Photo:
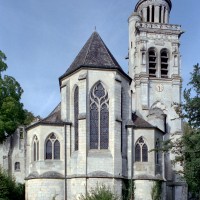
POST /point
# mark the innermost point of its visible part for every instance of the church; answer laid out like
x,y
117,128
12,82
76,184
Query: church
x,y
108,122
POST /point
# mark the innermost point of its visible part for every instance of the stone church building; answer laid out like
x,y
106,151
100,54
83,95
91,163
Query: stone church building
x,y
107,122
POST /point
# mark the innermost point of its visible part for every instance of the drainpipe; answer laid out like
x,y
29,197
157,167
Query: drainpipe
x,y
65,184
86,128
163,166
132,164
163,154
131,148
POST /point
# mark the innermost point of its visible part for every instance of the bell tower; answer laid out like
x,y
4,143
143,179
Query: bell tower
x,y
154,57
154,66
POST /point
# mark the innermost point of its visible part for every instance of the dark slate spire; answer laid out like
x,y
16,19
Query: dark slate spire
x,y
94,54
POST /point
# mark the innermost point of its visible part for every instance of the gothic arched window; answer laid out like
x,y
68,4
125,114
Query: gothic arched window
x,y
76,111
141,151
52,148
99,117
152,63
164,59
35,149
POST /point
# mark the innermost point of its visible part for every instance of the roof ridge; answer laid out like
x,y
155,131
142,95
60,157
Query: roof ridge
x,y
88,48
92,37
105,47
95,54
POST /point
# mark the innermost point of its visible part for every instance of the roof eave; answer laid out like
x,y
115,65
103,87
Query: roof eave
x,y
95,67
47,124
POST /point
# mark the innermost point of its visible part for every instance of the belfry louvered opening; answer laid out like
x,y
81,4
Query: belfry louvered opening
x,y
164,63
152,63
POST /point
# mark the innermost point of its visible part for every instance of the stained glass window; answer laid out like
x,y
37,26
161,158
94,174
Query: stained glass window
x,y
57,150
48,149
104,120
76,111
144,153
141,151
35,149
137,153
99,117
94,123
52,148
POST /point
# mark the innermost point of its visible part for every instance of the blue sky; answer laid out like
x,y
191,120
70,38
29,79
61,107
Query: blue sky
x,y
42,37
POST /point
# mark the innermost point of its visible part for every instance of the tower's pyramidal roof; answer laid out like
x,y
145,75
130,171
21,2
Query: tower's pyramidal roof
x,y
94,54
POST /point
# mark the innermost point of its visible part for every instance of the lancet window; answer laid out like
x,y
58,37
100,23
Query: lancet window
x,y
157,151
35,149
152,63
164,63
52,148
99,117
76,111
141,151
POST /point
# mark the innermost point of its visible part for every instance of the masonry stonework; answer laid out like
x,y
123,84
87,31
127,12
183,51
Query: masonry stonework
x,y
107,137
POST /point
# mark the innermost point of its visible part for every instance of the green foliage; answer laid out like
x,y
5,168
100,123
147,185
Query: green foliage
x,y
99,193
128,190
191,138
9,189
12,113
191,152
191,105
3,65
187,148
29,117
156,190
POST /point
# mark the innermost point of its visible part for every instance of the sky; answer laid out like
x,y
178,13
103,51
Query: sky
x,y
41,38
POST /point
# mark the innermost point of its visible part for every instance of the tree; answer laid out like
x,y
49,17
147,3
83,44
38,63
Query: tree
x,y
192,99
12,113
187,148
191,137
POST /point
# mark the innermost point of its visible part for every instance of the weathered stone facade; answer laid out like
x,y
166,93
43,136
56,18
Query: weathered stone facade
x,y
107,122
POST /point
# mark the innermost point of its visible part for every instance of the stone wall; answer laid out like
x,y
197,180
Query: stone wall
x,y
45,189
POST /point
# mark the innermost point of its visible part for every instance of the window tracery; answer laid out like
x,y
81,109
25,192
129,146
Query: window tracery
x,y
141,151
52,148
99,117
76,111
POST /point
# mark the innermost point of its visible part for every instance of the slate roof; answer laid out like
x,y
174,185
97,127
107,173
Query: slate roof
x,y
94,54
140,123
54,116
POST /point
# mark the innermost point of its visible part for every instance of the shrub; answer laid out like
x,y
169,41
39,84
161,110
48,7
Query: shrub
x,y
9,189
100,193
